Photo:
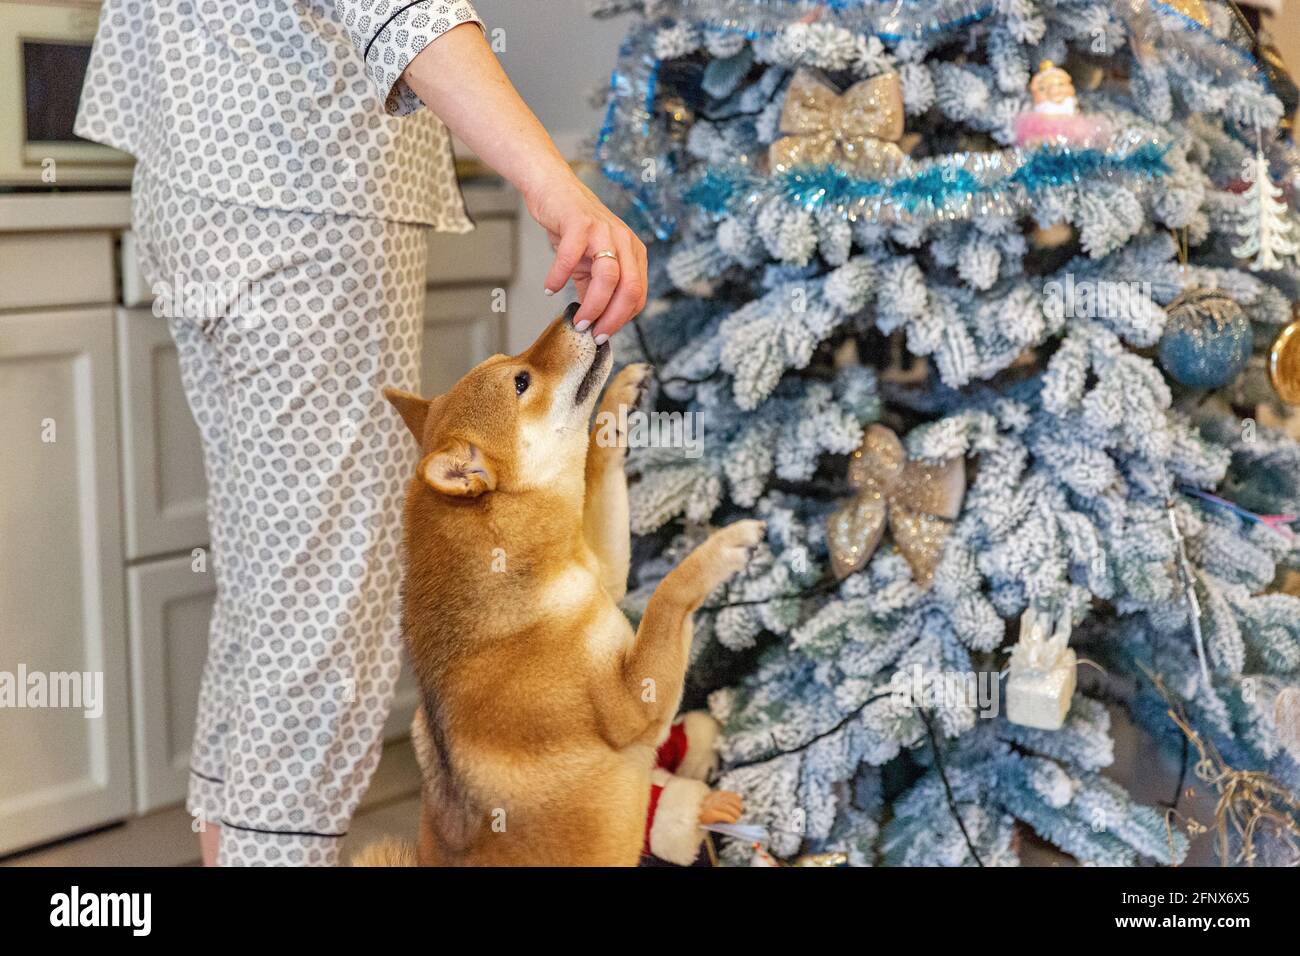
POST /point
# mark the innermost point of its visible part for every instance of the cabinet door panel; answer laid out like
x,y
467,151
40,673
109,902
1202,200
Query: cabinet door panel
x,y
485,255
84,275
460,330
171,603
65,768
162,457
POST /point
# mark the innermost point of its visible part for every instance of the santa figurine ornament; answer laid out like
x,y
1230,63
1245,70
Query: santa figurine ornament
x,y
680,799
1054,119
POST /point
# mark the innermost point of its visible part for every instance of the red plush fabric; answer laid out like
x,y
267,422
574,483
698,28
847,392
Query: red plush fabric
x,y
673,750
669,757
656,792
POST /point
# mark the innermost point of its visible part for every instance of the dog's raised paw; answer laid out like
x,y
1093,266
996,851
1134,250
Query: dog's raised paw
x,y
628,387
626,390
736,543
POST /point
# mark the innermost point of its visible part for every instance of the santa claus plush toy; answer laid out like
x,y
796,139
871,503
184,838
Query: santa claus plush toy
x,y
680,799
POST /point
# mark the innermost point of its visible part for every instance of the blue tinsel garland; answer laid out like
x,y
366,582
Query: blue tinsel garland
x,y
950,187
890,20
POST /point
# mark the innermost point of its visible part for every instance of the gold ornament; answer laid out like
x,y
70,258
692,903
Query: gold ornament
x,y
1284,364
1053,236
918,501
763,858
857,130
680,117
822,859
1192,9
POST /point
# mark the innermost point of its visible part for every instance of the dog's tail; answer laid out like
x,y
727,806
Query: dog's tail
x,y
387,852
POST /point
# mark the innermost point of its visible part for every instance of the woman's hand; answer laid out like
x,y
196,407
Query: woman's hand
x,y
612,289
458,77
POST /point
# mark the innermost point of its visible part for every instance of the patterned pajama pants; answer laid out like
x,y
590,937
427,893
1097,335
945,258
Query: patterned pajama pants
x,y
289,325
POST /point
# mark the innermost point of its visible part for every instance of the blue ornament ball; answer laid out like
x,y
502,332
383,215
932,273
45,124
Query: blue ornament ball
x,y
1207,339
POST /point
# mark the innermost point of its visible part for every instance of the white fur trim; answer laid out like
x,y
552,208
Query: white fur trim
x,y
675,835
701,736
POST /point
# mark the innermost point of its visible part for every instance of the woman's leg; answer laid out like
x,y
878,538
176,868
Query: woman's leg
x,y
166,224
329,311
202,379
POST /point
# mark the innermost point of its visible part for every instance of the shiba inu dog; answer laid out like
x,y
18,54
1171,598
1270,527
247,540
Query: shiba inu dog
x,y
541,707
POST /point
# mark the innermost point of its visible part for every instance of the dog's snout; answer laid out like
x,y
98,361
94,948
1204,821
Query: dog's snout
x,y
566,326
563,334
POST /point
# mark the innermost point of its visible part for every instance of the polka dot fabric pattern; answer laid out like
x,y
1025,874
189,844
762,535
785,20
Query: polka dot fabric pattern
x,y
279,104
306,467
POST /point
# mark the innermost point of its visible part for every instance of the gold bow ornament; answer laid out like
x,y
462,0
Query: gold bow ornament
x,y
919,502
857,130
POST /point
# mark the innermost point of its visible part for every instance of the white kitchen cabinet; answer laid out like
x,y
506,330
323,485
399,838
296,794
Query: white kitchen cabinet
x,y
461,329
481,257
165,491
55,269
170,605
61,574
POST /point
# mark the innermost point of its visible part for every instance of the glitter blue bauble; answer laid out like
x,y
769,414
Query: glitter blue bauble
x,y
1207,340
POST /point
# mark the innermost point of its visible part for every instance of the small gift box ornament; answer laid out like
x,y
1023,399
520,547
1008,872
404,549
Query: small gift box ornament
x,y
1041,683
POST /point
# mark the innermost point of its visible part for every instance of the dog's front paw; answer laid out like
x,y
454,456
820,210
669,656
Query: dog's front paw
x,y
626,391
731,548
627,388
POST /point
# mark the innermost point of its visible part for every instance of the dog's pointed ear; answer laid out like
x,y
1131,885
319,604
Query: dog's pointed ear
x,y
413,409
458,469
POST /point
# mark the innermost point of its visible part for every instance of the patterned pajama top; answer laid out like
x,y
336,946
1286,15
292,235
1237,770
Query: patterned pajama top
x,y
279,104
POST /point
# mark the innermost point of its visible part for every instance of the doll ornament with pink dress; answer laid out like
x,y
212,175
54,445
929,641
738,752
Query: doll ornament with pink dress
x,y
1055,119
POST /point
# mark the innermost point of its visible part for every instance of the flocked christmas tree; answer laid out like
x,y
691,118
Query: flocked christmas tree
x,y
955,290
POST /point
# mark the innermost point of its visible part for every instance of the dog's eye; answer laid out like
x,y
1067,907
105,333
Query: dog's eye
x,y
521,383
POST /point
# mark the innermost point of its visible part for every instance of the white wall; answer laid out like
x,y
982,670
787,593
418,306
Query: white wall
x,y
556,55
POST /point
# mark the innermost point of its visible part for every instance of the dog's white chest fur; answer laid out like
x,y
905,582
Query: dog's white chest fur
x,y
573,593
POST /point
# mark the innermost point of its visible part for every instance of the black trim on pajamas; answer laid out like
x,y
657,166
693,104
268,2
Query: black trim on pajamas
x,y
288,833
384,26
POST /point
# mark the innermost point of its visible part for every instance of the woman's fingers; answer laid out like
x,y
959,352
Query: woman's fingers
x,y
605,273
569,253
629,297
611,288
